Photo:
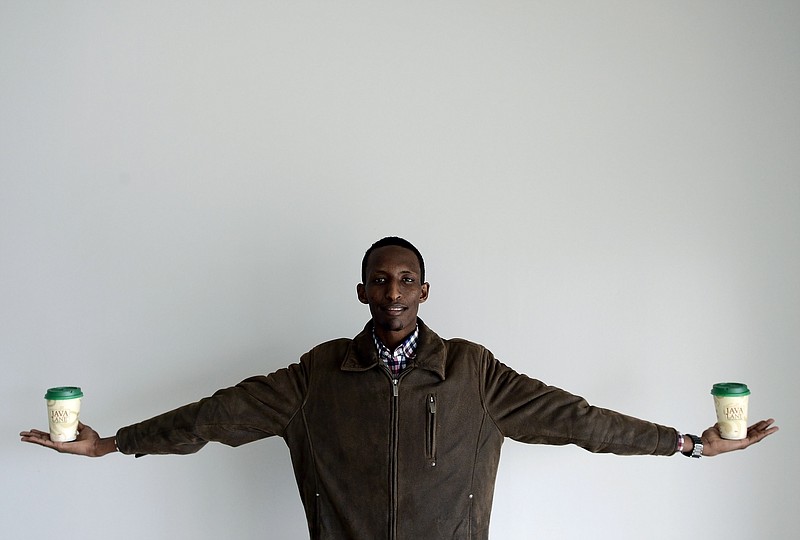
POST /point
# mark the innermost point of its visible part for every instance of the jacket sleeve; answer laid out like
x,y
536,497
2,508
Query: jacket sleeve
x,y
254,409
529,411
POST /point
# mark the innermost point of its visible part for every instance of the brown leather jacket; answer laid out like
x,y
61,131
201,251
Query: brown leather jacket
x,y
399,458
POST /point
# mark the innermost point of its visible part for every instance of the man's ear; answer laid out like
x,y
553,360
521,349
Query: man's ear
x,y
362,293
424,294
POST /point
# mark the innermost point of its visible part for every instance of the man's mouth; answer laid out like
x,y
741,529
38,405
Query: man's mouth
x,y
394,309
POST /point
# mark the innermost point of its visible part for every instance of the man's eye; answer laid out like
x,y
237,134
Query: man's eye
x,y
408,280
379,280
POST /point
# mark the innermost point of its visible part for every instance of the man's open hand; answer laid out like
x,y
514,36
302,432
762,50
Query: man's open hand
x,y
714,444
88,443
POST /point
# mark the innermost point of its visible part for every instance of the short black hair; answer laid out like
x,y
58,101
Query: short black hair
x,y
392,241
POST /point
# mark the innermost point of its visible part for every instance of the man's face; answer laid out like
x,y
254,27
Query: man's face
x,y
394,292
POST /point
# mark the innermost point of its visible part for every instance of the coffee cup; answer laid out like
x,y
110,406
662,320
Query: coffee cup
x,y
63,411
731,401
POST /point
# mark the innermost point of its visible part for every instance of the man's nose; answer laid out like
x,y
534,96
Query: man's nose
x,y
393,290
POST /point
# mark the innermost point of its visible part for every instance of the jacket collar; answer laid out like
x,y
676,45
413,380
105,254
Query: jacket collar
x,y
361,355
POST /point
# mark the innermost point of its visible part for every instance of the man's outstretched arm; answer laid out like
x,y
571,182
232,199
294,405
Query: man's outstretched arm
x,y
88,443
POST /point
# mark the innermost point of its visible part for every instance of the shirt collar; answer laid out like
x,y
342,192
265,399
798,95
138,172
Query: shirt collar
x,y
362,354
407,348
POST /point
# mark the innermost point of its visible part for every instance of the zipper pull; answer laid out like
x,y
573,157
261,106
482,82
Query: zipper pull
x,y
432,404
395,383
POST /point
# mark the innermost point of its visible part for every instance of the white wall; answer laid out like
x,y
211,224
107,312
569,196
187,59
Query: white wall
x,y
607,195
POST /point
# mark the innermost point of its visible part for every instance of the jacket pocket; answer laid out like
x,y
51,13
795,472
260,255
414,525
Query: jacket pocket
x,y
430,431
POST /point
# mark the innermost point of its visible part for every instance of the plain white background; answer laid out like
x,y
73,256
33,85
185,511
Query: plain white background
x,y
607,195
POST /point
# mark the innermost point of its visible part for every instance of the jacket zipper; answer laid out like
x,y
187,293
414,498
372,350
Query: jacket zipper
x,y
431,432
395,380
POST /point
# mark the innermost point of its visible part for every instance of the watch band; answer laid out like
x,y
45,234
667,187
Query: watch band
x,y
697,449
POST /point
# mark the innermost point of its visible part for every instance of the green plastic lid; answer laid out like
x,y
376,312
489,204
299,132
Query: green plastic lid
x,y
63,392
730,389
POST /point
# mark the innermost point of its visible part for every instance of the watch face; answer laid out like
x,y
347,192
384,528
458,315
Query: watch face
x,y
697,451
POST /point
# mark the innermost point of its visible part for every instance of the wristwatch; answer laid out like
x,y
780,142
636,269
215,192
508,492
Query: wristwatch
x,y
697,449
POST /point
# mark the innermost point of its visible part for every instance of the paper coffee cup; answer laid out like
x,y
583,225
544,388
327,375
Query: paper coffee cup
x,y
63,411
731,401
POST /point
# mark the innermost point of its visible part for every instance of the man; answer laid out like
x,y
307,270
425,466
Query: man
x,y
397,433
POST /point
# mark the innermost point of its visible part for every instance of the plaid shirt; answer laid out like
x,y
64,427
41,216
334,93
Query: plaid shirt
x,y
397,360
